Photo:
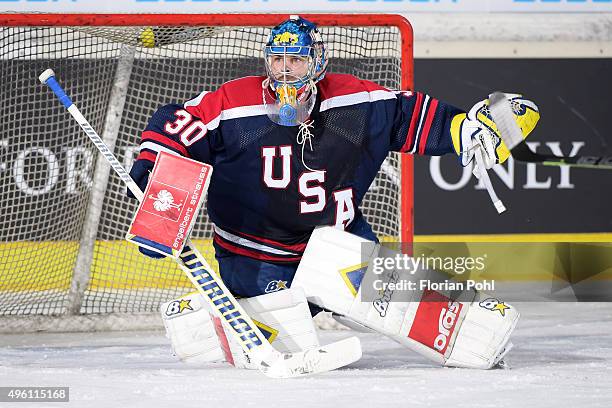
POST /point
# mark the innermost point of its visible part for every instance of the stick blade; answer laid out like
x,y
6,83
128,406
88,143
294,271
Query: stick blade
x,y
315,361
509,130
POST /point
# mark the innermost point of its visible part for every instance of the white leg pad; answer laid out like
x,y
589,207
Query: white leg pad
x,y
283,317
191,330
473,332
484,335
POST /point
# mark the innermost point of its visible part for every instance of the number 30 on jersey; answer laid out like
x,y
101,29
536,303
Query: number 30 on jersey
x,y
188,134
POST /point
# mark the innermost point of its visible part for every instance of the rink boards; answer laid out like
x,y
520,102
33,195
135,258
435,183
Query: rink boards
x,y
36,266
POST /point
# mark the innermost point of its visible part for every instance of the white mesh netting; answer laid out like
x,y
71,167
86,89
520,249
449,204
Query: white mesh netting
x,y
48,167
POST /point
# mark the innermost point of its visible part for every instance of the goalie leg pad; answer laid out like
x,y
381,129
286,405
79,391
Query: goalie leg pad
x,y
191,330
472,331
485,333
283,317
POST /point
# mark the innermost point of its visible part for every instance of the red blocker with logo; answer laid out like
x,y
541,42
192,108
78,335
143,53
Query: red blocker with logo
x,y
170,205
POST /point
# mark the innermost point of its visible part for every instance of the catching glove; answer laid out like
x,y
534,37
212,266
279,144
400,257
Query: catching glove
x,y
477,129
476,138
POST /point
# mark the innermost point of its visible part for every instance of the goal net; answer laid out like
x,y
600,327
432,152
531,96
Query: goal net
x,y
64,264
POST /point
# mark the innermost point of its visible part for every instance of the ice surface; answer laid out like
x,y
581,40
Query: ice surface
x,y
562,358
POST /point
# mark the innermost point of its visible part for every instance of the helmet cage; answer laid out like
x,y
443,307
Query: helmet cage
x,y
313,58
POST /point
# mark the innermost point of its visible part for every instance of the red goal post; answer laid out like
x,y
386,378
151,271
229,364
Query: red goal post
x,y
64,214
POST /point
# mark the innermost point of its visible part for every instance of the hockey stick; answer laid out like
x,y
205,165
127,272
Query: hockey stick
x,y
223,304
513,138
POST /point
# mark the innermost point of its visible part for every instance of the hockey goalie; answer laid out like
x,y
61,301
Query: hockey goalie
x,y
295,150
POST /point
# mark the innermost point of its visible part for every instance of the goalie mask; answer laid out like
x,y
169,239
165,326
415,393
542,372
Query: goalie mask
x,y
295,62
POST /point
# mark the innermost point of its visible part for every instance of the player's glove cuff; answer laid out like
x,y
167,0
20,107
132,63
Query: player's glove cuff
x,y
151,254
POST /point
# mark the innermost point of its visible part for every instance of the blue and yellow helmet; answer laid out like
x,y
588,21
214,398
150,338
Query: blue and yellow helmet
x,y
297,37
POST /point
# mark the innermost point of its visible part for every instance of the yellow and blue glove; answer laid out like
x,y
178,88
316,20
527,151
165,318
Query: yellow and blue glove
x,y
477,129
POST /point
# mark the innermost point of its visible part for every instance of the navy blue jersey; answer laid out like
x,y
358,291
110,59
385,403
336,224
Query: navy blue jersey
x,y
271,186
